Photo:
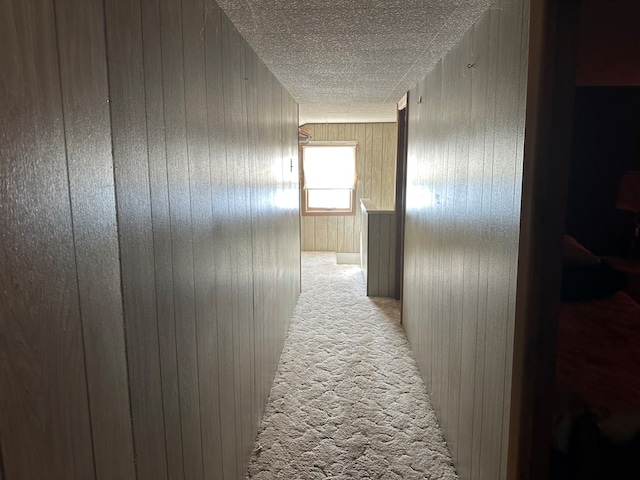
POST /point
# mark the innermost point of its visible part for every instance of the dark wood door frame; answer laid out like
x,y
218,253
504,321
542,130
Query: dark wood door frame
x,y
551,84
401,188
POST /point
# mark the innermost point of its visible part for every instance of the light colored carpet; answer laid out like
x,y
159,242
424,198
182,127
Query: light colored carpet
x,y
347,401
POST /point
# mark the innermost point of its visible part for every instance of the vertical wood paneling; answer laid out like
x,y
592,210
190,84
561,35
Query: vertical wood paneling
x,y
244,252
375,164
472,321
233,83
549,120
147,190
388,168
489,458
221,190
203,242
364,247
270,261
351,234
392,285
307,237
460,152
154,102
321,233
511,400
332,233
412,208
384,251
348,238
487,32
309,233
334,130
90,165
360,132
415,124
374,167
273,276
129,139
430,262
274,109
257,226
463,189
180,219
373,255
377,250
44,410
341,227
507,177
368,156
321,132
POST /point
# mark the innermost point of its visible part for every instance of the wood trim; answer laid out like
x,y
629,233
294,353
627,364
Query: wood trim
x,y
402,120
330,143
402,103
327,213
3,476
546,165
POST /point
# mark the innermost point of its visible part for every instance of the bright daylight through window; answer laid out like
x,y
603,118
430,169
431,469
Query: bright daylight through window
x,y
329,170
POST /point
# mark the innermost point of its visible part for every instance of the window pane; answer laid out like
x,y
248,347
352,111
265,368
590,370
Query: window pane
x,y
329,167
329,199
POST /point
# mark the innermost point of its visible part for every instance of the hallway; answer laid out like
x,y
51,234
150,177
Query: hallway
x,y
347,400
151,228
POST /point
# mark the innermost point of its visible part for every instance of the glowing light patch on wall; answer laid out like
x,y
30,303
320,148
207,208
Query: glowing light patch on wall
x,y
418,198
287,199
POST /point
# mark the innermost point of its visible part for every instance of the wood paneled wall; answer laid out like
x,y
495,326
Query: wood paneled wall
x,y
149,240
465,161
376,167
378,250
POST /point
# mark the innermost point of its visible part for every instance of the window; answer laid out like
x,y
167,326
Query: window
x,y
329,178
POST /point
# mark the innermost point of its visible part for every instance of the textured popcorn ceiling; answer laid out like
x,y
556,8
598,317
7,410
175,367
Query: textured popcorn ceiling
x,y
351,60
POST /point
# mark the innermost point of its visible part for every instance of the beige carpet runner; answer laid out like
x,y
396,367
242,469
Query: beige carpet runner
x,y
348,401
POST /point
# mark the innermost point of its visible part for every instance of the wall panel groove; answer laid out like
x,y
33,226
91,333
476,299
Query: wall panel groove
x,y
202,218
81,41
162,242
135,228
43,407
